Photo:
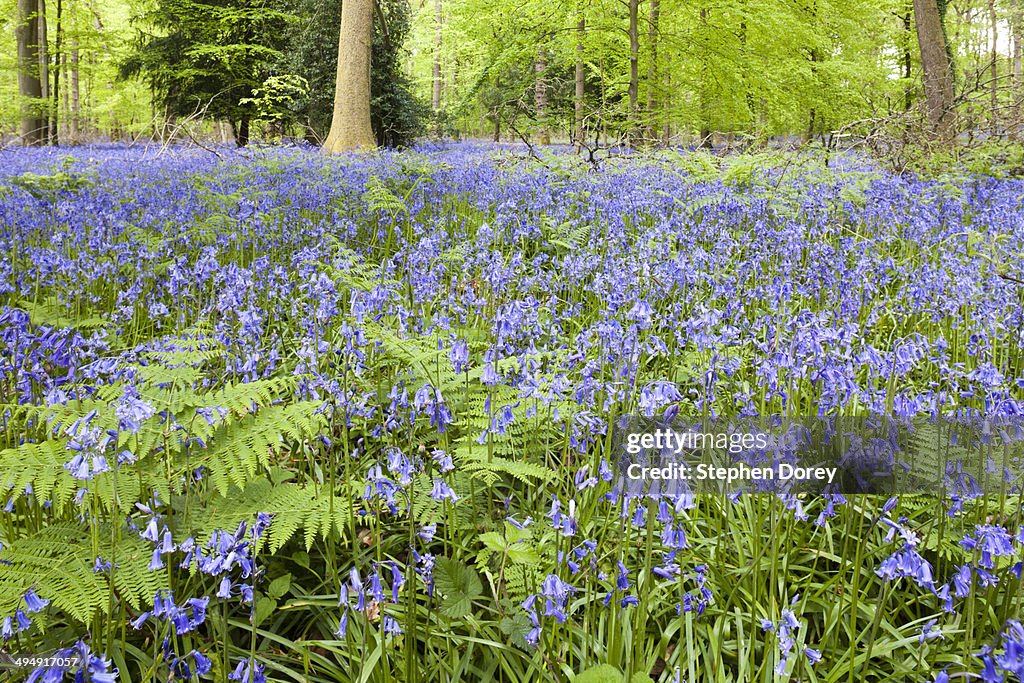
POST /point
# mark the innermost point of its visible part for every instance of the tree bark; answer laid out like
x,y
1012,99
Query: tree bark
x,y
29,87
540,98
438,17
75,96
634,62
1018,43
908,30
242,136
748,95
54,120
994,73
44,69
704,96
350,124
581,80
938,77
653,84
816,57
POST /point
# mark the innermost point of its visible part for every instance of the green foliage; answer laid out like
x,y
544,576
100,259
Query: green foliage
x,y
602,673
276,98
397,114
49,187
214,58
758,67
459,584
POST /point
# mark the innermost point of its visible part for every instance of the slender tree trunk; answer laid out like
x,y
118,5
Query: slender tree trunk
x,y
994,68
540,98
65,106
581,80
29,87
604,103
908,30
76,94
44,70
1017,93
938,77
55,121
653,75
745,71
816,57
90,122
438,18
242,136
704,96
666,130
1018,43
634,63
350,124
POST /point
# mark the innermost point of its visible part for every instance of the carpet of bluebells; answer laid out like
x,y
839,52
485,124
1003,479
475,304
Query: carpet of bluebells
x,y
274,416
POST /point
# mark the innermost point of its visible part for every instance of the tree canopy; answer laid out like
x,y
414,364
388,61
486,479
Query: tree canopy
x,y
635,71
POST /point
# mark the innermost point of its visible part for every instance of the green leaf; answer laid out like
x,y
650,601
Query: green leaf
x,y
494,541
264,608
602,673
460,584
516,628
279,586
514,534
522,553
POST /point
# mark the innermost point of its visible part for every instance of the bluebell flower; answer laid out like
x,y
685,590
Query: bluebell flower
x,y
390,626
992,541
929,631
248,671
440,491
33,603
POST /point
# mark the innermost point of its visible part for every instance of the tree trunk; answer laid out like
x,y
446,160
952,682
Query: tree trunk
x,y
704,96
540,98
994,70
438,17
65,107
634,62
748,95
816,57
908,29
242,136
581,80
653,85
604,103
54,119
350,124
938,77
44,70
76,95
1018,43
27,32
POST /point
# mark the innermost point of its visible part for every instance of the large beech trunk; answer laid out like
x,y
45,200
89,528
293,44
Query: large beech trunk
x,y
938,78
350,124
33,125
